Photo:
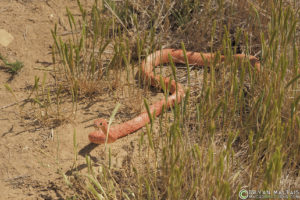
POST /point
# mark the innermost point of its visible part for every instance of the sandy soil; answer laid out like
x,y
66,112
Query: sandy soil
x,y
33,157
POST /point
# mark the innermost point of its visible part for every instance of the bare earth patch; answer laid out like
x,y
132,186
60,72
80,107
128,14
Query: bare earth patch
x,y
33,158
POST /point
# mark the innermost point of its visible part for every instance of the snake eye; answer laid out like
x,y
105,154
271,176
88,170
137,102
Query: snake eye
x,y
100,123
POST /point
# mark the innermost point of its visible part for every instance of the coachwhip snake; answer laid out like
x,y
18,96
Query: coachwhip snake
x,y
159,57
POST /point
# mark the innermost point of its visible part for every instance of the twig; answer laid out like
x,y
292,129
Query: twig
x,y
12,104
111,10
68,33
3,10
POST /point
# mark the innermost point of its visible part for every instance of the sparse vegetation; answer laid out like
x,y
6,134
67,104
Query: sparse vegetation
x,y
240,130
12,67
237,128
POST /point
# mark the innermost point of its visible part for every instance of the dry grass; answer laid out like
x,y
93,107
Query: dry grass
x,y
236,129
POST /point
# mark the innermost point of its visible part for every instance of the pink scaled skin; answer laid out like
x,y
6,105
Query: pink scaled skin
x,y
155,59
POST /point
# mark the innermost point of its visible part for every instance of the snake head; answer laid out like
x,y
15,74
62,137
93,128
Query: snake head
x,y
101,124
99,136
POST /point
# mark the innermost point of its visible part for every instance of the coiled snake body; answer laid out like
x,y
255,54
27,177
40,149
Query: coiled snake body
x,y
159,57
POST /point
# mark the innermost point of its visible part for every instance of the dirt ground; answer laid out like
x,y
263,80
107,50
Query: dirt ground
x,y
33,158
